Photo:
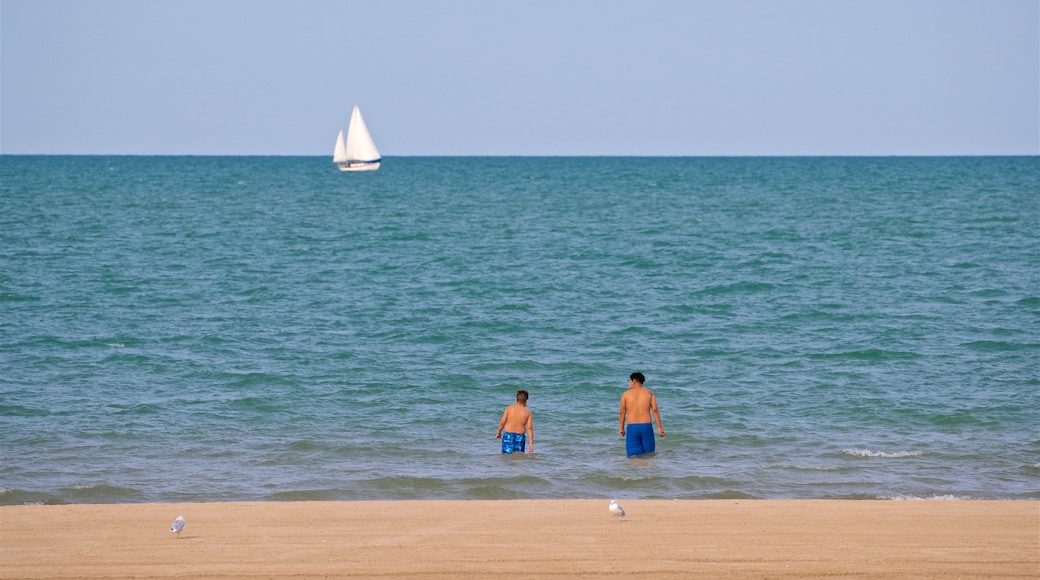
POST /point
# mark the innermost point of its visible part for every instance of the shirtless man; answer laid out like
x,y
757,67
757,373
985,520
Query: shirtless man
x,y
517,421
637,404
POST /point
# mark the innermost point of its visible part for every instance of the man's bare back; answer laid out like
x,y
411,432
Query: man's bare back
x,y
638,405
515,419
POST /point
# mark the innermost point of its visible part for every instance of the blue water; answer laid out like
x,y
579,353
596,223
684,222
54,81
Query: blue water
x,y
224,329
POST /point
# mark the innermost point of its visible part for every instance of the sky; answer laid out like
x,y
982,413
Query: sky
x,y
533,78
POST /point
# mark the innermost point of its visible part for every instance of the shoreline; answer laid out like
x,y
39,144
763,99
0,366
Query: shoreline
x,y
723,538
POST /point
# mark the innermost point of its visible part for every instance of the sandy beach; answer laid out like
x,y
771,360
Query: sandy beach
x,y
525,538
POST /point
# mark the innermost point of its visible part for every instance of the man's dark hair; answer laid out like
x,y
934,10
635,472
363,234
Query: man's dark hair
x,y
521,396
638,377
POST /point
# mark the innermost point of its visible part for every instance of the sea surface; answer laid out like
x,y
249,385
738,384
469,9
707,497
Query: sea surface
x,y
195,329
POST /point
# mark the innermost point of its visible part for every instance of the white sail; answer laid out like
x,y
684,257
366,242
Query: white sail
x,y
339,155
359,152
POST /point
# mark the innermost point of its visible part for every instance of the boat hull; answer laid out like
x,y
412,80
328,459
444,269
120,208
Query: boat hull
x,y
359,166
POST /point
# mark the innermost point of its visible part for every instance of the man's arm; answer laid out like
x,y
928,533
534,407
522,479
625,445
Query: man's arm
x,y
502,424
657,414
621,417
530,430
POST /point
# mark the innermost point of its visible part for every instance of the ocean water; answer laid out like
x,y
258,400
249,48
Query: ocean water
x,y
224,329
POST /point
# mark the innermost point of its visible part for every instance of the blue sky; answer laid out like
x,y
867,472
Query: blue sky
x,y
562,77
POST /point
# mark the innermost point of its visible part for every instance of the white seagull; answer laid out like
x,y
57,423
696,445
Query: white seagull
x,y
616,509
178,526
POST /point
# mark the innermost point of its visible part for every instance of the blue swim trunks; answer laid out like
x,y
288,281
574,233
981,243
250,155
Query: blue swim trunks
x,y
639,438
513,442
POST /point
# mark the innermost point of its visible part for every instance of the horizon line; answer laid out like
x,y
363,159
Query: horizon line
x,y
575,156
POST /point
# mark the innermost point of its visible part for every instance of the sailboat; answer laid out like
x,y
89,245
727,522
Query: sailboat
x,y
358,152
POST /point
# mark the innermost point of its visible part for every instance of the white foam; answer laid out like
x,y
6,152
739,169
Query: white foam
x,y
945,497
884,454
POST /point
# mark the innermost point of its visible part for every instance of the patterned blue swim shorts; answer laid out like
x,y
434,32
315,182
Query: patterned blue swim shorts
x,y
513,442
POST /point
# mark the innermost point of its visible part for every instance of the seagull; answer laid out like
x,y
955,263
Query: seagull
x,y
178,526
616,509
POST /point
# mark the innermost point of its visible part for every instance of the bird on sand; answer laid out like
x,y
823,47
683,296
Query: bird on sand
x,y
178,526
616,509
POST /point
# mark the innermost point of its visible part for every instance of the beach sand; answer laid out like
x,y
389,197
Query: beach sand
x,y
525,539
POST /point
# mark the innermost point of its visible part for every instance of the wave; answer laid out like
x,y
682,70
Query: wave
x,y
870,354
21,411
998,346
412,487
801,467
258,404
137,409
96,493
308,495
736,288
729,494
882,454
102,493
944,497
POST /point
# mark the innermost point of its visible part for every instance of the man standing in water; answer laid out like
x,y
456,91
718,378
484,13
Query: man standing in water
x,y
637,404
